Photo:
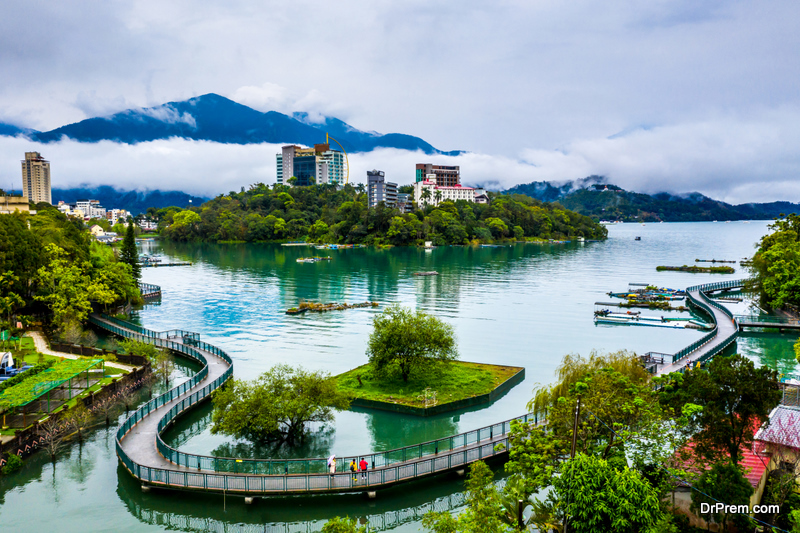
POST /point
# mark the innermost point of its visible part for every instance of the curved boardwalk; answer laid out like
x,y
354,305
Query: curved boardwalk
x,y
724,332
146,456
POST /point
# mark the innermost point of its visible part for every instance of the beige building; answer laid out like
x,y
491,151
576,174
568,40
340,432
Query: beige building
x,y
9,204
36,178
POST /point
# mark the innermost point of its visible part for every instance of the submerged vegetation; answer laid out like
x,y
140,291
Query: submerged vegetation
x,y
326,213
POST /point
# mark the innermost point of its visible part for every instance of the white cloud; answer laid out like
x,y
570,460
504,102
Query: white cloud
x,y
166,113
547,82
730,158
274,97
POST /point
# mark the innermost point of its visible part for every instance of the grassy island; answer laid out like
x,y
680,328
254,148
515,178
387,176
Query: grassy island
x,y
457,384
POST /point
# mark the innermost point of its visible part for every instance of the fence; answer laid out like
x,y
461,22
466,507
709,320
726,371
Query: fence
x,y
321,482
149,291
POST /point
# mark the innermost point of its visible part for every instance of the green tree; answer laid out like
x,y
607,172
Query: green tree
x,y
128,253
776,264
63,286
277,406
484,507
736,399
498,228
409,341
596,496
724,482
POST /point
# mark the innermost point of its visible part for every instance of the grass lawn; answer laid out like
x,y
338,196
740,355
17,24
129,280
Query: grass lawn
x,y
452,382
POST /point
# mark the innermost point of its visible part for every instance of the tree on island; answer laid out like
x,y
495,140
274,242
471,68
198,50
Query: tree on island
x,y
277,406
128,253
409,341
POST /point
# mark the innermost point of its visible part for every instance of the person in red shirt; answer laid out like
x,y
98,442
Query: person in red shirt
x,y
363,467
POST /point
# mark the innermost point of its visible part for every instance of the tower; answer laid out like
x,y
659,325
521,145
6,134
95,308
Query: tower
x,y
36,178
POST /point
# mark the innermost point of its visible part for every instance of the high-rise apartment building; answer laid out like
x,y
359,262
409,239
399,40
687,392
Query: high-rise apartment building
x,y
380,190
36,178
319,165
445,176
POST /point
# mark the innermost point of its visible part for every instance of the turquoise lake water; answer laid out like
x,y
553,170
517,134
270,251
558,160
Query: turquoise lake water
x,y
524,305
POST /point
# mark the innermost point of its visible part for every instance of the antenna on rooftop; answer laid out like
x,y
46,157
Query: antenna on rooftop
x,y
328,139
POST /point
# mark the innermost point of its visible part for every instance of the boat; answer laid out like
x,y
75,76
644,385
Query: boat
x,y
637,238
313,259
428,273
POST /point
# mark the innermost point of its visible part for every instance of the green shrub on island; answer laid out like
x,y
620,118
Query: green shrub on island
x,y
407,341
327,213
277,406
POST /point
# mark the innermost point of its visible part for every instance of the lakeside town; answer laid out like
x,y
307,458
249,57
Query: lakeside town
x,y
74,361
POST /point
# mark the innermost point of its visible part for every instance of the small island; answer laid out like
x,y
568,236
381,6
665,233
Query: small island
x,y
697,269
460,384
413,368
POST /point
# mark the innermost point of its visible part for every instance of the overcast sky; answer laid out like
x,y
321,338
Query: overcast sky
x,y
680,95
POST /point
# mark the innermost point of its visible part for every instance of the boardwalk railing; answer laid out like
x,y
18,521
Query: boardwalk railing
x,y
149,291
759,319
263,476
705,303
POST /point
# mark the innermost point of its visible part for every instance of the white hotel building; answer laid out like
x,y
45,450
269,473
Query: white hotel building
x,y
452,193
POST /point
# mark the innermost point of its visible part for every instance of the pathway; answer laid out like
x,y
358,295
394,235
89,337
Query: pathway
x,y
42,347
724,333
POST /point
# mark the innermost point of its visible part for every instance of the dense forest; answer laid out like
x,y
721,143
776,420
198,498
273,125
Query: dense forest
x,y
325,213
49,267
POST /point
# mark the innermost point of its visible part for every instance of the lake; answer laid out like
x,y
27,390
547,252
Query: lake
x,y
524,305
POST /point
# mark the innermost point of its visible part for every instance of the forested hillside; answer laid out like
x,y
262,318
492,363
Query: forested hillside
x,y
324,213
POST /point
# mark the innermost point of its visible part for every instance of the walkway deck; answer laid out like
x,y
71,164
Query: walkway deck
x,y
724,333
153,462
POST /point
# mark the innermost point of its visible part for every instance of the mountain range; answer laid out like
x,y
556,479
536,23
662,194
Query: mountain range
x,y
594,196
212,117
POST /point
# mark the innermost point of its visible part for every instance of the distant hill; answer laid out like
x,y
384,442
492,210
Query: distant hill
x,y
134,201
11,130
596,198
212,117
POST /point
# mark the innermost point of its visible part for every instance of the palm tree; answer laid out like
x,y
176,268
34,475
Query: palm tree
x,y
425,196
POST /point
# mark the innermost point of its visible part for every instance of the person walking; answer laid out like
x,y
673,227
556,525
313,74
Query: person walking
x,y
332,464
354,469
363,467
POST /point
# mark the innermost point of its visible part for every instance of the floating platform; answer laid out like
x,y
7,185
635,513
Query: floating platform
x,y
153,265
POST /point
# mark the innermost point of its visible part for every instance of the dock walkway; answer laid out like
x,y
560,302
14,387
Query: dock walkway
x,y
723,335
